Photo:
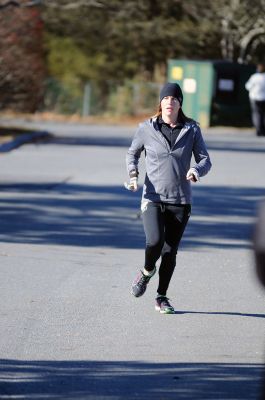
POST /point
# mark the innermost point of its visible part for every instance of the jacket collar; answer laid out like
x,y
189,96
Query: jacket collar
x,y
186,127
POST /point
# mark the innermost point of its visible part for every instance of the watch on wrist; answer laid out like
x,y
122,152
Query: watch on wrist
x,y
134,173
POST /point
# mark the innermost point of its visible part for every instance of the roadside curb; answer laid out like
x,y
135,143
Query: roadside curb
x,y
22,139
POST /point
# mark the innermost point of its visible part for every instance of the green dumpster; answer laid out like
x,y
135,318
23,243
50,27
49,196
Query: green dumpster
x,y
214,91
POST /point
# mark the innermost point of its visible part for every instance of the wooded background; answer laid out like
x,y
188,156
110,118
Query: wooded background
x,y
115,52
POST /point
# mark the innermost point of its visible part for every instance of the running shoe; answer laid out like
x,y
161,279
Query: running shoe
x,y
140,283
163,305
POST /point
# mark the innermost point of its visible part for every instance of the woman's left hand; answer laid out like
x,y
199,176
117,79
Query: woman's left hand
x,y
192,175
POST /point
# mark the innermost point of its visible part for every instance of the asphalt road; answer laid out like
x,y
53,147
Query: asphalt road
x,y
71,241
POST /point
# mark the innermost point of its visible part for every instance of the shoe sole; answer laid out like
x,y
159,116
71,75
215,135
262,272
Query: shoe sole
x,y
164,312
137,295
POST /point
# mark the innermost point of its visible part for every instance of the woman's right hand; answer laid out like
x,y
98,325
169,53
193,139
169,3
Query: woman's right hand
x,y
132,185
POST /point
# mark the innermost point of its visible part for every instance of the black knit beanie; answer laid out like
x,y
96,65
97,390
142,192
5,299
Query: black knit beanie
x,y
172,89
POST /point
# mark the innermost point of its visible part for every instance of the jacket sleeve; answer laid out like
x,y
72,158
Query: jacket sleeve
x,y
201,156
134,151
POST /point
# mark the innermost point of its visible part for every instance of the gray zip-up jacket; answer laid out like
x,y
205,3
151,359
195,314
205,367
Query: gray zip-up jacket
x,y
166,168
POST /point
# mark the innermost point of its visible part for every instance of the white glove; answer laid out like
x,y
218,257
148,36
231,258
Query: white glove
x,y
132,185
192,175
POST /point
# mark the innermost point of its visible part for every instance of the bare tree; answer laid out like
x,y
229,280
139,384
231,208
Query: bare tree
x,y
243,28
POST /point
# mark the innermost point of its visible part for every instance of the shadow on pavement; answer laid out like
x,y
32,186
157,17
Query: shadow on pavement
x,y
89,140
128,380
222,215
250,145
84,215
233,314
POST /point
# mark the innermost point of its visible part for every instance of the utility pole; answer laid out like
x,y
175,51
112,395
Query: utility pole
x,y
86,100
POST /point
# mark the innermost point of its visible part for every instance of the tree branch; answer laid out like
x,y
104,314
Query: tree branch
x,y
14,3
248,39
9,3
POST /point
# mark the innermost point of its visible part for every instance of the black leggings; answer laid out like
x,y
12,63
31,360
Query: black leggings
x,y
258,116
164,225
